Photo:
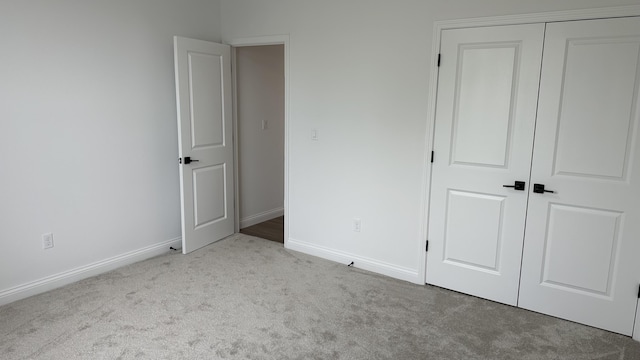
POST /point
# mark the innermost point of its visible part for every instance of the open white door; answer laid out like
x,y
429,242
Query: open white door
x,y
582,242
487,96
203,92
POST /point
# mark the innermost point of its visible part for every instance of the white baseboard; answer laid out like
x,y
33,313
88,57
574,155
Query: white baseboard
x,y
261,217
410,275
83,272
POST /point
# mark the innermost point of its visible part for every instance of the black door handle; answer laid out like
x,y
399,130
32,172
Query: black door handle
x,y
539,189
187,160
518,185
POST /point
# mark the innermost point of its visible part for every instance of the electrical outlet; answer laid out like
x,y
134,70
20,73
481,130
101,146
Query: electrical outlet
x,y
314,134
265,124
47,241
357,225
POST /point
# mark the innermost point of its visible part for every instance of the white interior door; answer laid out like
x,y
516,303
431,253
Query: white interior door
x,y
203,90
582,241
486,108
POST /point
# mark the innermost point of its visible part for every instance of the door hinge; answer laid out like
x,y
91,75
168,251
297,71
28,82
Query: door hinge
x,y
427,246
438,60
638,291
432,157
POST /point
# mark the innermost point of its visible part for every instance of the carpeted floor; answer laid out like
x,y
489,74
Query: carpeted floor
x,y
247,298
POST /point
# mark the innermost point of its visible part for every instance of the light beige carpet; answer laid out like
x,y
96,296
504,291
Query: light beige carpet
x,y
247,298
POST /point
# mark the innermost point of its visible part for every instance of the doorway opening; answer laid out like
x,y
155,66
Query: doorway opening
x,y
260,111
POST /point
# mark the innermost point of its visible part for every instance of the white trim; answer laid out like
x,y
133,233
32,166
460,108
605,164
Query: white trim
x,y
70,276
544,17
429,134
398,272
236,151
263,216
259,41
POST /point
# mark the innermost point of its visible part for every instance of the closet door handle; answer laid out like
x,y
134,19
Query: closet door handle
x,y
539,189
518,185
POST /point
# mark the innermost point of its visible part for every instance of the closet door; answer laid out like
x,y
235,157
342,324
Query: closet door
x,y
487,94
582,242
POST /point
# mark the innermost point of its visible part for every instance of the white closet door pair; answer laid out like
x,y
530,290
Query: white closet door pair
x,y
553,105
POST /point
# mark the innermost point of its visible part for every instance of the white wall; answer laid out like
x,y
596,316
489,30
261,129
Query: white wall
x,y
88,136
359,73
260,96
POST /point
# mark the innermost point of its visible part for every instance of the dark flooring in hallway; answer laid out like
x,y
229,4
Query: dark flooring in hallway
x,y
271,230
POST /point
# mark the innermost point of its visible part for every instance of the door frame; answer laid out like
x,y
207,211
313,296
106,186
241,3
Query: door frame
x,y
439,26
261,41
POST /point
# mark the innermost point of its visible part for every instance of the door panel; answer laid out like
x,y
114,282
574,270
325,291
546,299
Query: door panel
x,y
203,88
487,93
585,238
484,253
581,244
205,76
209,195
485,99
593,68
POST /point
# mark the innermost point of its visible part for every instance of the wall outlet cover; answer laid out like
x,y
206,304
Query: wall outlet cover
x,y
47,241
